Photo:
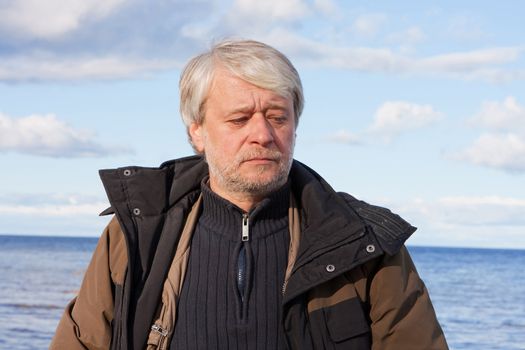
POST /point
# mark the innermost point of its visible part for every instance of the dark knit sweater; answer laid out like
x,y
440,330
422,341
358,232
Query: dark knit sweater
x,y
231,296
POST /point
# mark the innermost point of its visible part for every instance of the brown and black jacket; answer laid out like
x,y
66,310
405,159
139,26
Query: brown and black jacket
x,y
352,284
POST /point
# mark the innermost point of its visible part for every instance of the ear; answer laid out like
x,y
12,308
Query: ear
x,y
197,138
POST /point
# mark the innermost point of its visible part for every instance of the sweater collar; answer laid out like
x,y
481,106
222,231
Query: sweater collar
x,y
225,218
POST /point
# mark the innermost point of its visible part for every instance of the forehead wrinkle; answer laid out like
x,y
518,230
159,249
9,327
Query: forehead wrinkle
x,y
257,107
251,99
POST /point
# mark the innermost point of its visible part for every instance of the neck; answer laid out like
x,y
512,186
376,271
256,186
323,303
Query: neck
x,y
245,201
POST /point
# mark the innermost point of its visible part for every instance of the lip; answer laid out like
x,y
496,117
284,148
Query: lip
x,y
260,160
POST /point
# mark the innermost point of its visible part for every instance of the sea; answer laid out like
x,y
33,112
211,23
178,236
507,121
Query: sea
x,y
478,294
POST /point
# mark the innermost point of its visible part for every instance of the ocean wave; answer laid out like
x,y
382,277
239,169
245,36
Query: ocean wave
x,y
31,306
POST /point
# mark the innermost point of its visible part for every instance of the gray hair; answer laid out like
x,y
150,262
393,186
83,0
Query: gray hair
x,y
256,63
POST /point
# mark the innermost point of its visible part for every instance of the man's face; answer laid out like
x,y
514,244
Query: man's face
x,y
247,136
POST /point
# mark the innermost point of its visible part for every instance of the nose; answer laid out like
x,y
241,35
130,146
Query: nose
x,y
261,131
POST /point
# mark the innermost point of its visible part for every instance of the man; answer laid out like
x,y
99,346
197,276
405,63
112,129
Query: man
x,y
245,248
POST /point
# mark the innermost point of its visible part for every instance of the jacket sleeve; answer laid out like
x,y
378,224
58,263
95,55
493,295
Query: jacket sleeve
x,y
402,315
86,321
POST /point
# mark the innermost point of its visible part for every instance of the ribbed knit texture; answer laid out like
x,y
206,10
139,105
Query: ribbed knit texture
x,y
211,313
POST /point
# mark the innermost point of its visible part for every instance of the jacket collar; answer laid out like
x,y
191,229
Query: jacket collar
x,y
326,219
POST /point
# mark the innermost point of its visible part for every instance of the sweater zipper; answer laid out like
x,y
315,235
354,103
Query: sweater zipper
x,y
245,227
242,266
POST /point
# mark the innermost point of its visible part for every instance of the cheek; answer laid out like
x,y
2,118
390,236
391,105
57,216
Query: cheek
x,y
224,147
287,141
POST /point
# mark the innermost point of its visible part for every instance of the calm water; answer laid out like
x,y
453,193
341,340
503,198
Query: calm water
x,y
479,295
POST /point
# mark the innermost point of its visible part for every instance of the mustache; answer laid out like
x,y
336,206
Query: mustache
x,y
254,154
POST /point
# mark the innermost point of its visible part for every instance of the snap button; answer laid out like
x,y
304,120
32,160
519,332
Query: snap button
x,y
370,248
127,172
136,211
330,268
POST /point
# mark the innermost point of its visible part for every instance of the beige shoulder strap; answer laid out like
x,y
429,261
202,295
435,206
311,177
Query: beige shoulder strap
x,y
294,226
161,331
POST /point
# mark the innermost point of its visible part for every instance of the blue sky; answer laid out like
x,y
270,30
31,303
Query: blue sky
x,y
415,106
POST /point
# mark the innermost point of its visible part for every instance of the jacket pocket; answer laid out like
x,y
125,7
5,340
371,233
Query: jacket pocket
x,y
347,325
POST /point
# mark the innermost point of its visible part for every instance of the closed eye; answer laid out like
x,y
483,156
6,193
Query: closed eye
x,y
278,119
239,121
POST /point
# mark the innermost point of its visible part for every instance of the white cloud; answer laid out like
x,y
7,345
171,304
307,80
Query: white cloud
x,y
475,221
62,214
45,67
344,137
368,24
471,65
470,61
45,135
327,7
499,151
91,209
101,39
502,145
248,17
505,115
393,117
485,64
50,204
51,18
494,75
319,54
470,210
474,202
270,10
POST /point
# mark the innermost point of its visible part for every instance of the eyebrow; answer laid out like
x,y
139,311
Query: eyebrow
x,y
248,108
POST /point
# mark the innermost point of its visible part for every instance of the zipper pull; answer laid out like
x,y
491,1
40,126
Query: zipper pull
x,y
245,228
